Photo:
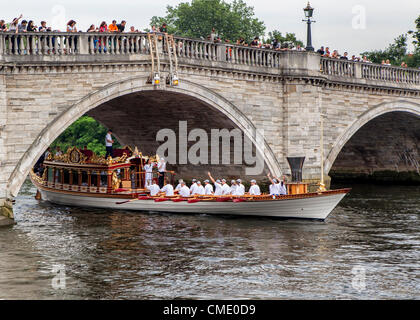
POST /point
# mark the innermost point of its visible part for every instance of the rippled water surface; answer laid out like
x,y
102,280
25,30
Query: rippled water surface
x,y
368,248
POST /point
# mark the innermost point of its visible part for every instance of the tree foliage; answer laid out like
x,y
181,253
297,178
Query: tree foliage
x,y
287,41
85,131
196,20
397,52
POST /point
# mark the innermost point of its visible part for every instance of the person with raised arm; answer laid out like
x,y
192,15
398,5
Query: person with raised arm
x,y
274,186
218,185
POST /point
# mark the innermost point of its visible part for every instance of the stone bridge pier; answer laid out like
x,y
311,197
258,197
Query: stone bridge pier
x,y
367,109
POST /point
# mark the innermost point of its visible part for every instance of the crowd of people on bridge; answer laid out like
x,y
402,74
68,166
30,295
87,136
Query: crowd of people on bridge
x,y
19,25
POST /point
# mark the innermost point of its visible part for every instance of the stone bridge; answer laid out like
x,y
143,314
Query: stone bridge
x,y
47,81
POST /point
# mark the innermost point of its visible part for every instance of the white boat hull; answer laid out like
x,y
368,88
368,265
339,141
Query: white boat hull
x,y
313,207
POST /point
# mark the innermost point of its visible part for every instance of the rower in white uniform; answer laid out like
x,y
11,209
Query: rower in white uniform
x,y
233,187
240,189
208,187
199,189
193,186
226,190
154,189
217,184
184,191
178,187
168,189
254,190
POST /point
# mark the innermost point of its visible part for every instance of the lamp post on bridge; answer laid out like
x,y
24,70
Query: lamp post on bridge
x,y
308,14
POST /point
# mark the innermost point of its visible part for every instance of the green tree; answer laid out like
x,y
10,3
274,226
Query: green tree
x,y
396,52
287,41
196,20
85,131
416,33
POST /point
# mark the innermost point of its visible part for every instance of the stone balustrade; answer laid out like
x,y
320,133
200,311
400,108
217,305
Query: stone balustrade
x,y
63,43
369,71
125,45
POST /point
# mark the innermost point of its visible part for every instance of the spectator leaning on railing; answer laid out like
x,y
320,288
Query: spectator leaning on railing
x,y
3,26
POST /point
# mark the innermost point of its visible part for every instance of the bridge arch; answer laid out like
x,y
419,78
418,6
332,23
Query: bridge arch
x,y
125,87
364,118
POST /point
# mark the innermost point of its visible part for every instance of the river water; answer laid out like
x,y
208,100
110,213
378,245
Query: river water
x,y
369,248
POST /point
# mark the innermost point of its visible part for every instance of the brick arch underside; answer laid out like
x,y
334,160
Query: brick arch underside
x,y
390,141
136,119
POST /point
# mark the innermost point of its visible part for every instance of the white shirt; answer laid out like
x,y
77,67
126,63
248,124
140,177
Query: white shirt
x,y
282,188
199,190
162,166
107,139
168,189
219,189
208,189
226,189
178,187
154,189
233,188
254,190
240,190
193,187
148,168
275,189
184,191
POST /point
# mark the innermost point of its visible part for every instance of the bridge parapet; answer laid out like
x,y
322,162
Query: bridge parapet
x,y
82,47
369,71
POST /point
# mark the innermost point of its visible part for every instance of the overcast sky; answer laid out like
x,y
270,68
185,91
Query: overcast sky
x,y
350,25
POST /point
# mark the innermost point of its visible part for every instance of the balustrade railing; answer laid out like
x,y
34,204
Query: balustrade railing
x,y
62,43
82,43
338,67
370,71
390,73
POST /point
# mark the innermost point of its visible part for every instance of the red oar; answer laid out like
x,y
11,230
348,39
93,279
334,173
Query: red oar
x,y
139,198
179,200
126,201
239,200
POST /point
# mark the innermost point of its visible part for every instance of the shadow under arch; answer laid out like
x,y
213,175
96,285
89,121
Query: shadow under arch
x,y
126,87
364,118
